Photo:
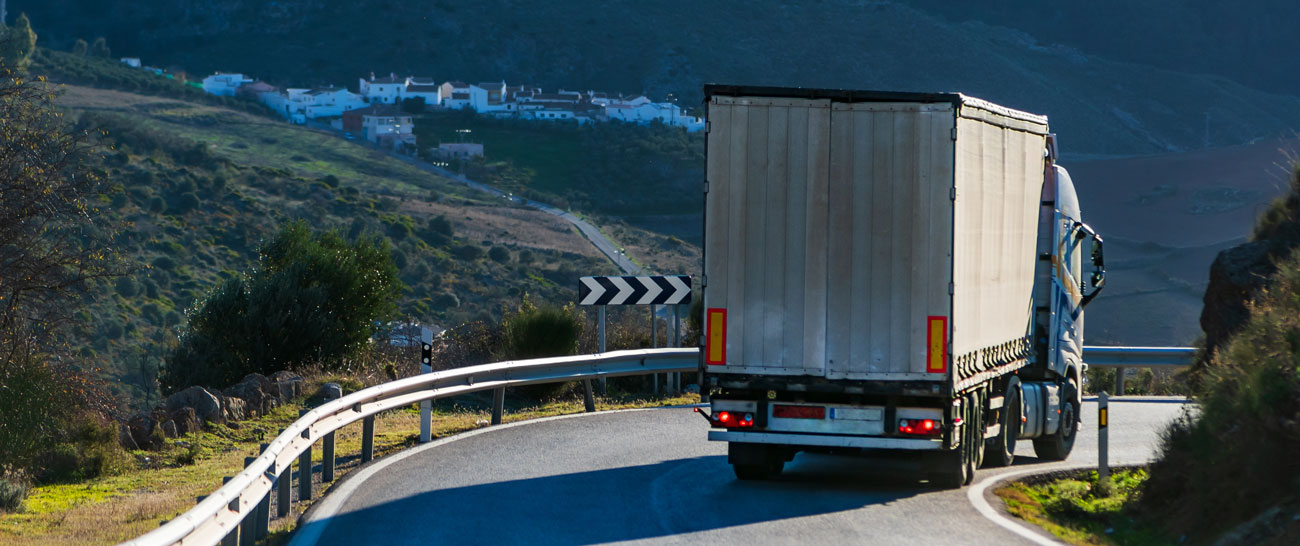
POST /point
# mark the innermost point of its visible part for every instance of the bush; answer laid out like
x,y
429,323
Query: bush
x,y
499,254
537,332
468,253
12,492
311,297
1235,457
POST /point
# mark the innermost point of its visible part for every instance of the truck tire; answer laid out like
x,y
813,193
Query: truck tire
x,y
1058,446
1001,449
755,461
758,471
957,468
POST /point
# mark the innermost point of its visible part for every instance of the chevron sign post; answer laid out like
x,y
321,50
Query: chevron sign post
x,y
652,290
635,290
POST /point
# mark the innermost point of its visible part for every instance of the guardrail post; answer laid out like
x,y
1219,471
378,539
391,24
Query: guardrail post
x,y
284,492
367,439
587,398
248,527
327,459
304,475
1103,447
498,404
1119,381
600,327
231,538
426,366
654,344
263,511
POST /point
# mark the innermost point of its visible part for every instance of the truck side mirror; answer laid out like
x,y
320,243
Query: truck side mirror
x,y
1097,278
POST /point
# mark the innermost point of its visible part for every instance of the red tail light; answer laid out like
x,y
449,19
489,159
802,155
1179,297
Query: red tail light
x,y
919,427
733,420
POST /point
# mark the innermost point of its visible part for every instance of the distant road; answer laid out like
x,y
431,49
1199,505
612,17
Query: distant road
x,y
598,239
651,477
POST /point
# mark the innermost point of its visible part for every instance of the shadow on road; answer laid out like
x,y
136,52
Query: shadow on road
x,y
628,503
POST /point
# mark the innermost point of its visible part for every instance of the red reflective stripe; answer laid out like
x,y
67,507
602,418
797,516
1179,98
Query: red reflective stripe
x,y
799,412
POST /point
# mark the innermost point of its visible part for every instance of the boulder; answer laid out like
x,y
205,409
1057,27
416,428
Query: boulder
x,y
285,375
288,390
233,409
1236,276
330,391
257,392
185,420
206,406
142,427
124,438
168,428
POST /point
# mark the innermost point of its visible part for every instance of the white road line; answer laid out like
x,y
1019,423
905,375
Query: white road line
x,y
975,494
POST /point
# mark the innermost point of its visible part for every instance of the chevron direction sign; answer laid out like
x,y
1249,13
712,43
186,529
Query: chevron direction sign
x,y
635,290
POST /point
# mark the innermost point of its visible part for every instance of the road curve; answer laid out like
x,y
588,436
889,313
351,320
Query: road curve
x,y
651,477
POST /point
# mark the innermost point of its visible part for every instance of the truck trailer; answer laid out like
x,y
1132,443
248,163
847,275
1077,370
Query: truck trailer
x,y
889,272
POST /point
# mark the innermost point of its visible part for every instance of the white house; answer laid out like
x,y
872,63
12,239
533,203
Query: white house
x,y
648,112
133,62
328,102
424,88
224,85
490,98
382,90
454,95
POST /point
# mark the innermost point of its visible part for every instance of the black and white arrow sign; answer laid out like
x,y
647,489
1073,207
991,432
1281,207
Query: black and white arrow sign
x,y
635,290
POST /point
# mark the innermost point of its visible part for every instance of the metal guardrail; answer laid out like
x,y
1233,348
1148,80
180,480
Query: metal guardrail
x,y
1122,358
238,512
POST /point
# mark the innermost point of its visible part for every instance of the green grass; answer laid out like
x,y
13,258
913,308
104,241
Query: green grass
x,y
115,508
1078,511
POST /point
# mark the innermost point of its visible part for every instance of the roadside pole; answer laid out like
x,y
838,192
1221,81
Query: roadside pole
x,y
677,342
654,343
1103,450
600,327
426,366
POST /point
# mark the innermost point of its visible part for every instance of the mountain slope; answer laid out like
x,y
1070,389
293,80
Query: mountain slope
x,y
1100,107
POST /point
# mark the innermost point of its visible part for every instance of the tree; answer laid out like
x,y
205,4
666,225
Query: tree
x,y
311,298
100,48
53,243
53,237
79,47
17,43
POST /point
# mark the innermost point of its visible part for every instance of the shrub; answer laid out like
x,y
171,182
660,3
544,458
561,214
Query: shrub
x,y
1235,457
536,332
311,297
468,253
12,492
499,254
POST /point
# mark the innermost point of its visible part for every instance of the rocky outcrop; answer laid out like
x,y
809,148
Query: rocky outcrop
x,y
330,391
142,427
259,394
185,419
1236,277
205,405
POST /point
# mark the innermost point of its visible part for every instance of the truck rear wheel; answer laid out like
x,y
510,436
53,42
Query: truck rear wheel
x,y
1001,449
756,461
957,468
1058,446
758,471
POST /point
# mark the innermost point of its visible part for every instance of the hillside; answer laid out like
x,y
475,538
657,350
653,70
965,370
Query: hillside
x,y
1101,106
200,185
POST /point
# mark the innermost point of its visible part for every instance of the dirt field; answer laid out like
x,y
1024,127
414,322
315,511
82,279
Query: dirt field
x,y
523,227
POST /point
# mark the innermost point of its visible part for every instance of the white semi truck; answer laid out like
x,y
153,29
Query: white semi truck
x,y
890,272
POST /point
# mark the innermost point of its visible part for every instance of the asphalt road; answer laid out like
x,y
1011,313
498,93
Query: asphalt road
x,y
651,477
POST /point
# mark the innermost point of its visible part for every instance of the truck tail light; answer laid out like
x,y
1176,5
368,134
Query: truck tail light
x,y
733,419
715,350
919,427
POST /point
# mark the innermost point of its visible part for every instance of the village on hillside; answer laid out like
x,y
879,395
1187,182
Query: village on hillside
x,y
380,110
